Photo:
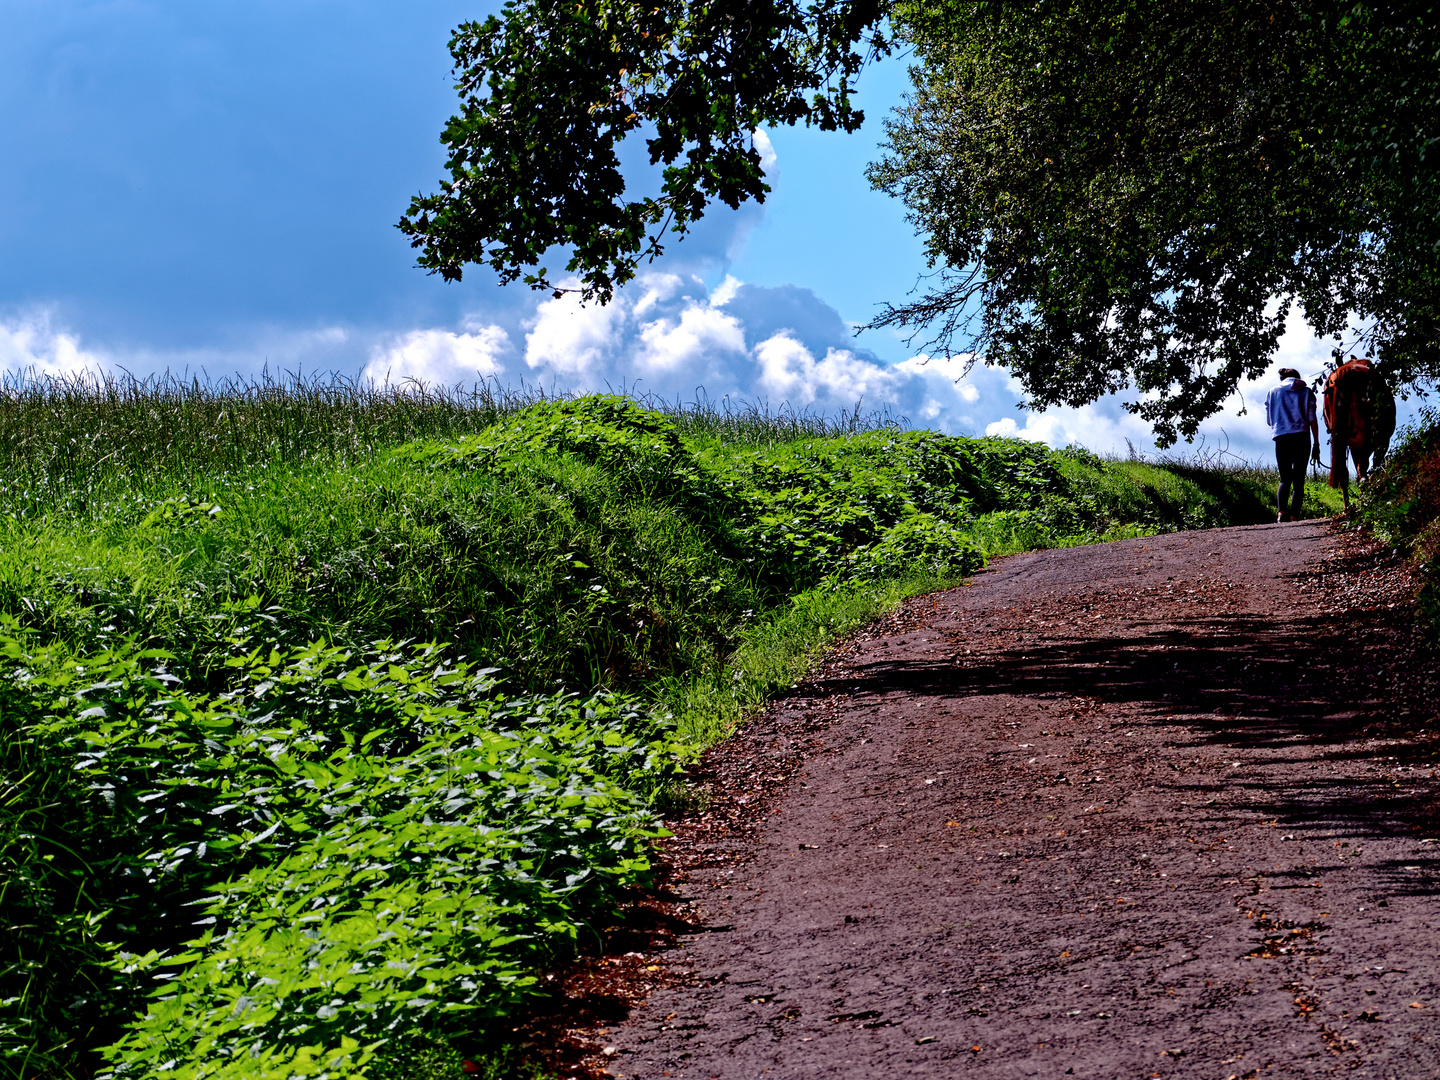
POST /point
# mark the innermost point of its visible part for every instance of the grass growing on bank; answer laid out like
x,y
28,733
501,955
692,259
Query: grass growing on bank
x,y
331,717
1401,503
773,655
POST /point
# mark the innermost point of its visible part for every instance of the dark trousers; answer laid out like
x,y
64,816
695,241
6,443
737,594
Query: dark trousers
x,y
1291,453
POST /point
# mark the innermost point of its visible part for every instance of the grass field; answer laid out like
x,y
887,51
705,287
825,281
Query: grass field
x,y
331,718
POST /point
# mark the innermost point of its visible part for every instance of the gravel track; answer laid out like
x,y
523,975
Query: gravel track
x,y
1164,807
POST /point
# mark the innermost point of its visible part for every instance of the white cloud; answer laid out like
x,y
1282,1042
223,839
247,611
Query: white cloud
x,y
572,339
790,372
702,334
760,139
786,369
1106,427
725,291
30,344
665,335
991,396
658,288
439,357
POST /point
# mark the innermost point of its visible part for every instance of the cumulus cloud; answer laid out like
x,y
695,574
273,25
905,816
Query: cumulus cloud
x,y
669,336
725,291
1107,427
788,371
439,357
1104,427
700,334
30,344
760,139
794,311
783,345
575,340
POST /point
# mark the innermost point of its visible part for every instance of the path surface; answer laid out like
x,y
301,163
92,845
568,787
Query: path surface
x,y
1129,810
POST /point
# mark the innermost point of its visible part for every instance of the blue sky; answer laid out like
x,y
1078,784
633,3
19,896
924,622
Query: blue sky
x,y
213,187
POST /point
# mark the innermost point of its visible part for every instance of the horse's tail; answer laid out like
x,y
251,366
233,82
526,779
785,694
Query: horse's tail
x,y
1339,475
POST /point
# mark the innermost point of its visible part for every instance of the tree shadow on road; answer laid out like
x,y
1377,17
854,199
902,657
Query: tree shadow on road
x,y
1355,687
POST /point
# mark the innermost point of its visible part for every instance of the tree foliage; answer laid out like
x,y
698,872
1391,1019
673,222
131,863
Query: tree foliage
x,y
1113,193
1136,194
549,90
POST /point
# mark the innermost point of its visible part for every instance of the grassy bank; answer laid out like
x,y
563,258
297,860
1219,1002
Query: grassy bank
x,y
1401,503
330,718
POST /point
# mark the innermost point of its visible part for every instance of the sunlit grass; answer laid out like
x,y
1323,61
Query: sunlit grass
x,y
61,436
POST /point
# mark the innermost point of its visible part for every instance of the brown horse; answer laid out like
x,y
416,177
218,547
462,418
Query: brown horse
x,y
1360,416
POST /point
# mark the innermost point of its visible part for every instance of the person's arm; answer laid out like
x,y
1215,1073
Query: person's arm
x,y
1314,433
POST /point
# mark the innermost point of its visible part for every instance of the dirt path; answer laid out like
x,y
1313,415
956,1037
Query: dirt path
x,y
1131,810
1121,811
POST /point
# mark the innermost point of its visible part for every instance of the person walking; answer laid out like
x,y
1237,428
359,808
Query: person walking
x,y
1290,412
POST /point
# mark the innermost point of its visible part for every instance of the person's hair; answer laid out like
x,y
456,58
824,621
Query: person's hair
x,y
1289,373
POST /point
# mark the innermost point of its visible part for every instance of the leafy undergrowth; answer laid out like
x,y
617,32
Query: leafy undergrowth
x,y
1401,503
329,731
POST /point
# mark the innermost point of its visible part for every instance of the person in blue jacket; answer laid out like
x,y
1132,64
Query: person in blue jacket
x,y
1290,412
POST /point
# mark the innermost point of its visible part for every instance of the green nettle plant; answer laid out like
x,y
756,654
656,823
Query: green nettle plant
x,y
329,853
330,733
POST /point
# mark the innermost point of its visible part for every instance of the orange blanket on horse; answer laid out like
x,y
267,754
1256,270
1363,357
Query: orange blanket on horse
x,y
1359,414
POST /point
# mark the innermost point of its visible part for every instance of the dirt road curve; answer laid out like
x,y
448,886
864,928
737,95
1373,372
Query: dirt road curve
x,y
1145,809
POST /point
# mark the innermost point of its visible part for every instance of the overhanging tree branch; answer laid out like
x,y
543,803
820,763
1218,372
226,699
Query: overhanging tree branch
x,y
550,88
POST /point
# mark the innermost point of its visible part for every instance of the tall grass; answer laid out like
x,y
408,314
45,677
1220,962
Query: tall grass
x,y
85,426
82,429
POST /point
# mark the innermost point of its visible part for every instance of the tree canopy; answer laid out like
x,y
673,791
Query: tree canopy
x,y
1113,193
550,89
